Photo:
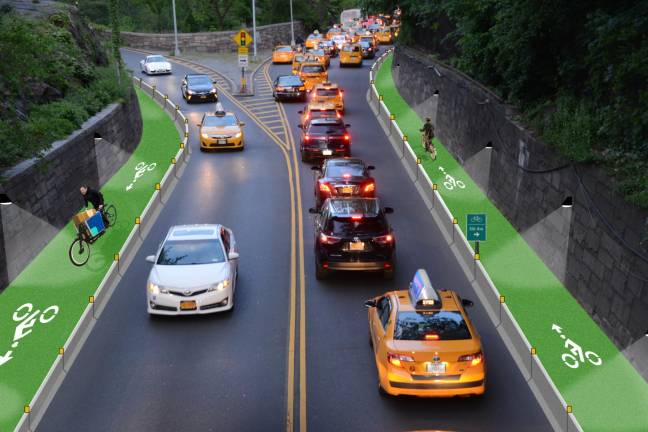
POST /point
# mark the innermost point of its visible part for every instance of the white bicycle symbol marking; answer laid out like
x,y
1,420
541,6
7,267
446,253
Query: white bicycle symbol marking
x,y
26,317
450,182
576,356
140,169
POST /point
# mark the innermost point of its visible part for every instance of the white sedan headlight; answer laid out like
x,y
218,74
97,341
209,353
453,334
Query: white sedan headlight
x,y
156,289
221,286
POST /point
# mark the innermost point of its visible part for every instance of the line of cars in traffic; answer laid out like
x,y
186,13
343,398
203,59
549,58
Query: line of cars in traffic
x,y
423,340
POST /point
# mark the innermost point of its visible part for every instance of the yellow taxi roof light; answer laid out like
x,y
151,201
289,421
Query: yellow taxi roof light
x,y
422,293
220,111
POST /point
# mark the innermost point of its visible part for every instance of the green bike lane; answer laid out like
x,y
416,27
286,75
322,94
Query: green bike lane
x,y
610,396
28,347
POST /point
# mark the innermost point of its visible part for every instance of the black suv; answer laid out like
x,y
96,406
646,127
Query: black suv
x,y
322,138
353,234
198,88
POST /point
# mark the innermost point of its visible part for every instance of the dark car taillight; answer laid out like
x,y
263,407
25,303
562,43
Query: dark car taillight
x,y
327,239
384,240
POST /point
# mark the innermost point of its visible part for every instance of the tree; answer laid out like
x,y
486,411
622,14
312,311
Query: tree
x,y
115,36
222,9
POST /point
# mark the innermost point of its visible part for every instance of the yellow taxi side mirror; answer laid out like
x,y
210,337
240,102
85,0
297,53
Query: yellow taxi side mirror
x,y
241,124
199,125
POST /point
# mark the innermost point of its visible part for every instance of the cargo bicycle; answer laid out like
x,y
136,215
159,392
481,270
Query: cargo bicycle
x,y
88,231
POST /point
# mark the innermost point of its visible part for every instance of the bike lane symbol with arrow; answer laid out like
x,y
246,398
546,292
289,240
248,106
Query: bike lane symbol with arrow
x,y
27,317
575,355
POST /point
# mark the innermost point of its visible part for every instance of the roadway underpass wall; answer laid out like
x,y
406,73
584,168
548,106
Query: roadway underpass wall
x,y
45,191
268,37
598,249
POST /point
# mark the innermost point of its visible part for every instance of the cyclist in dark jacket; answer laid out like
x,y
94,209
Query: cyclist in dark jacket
x,y
95,198
428,136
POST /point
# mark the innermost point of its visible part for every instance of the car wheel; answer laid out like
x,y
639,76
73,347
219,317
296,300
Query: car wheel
x,y
320,272
388,274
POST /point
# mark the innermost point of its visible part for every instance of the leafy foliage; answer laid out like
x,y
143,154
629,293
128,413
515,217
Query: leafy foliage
x,y
50,82
576,69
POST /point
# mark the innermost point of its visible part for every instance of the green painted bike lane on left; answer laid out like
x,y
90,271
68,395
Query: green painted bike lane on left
x,y
28,347
606,396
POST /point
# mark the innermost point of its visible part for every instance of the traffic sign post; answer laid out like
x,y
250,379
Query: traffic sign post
x,y
243,39
476,228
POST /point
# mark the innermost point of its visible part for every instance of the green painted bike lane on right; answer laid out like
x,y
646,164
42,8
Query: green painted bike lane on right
x,y
58,290
607,394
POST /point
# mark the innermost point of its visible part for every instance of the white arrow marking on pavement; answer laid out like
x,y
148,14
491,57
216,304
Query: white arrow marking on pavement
x,y
129,187
556,328
5,358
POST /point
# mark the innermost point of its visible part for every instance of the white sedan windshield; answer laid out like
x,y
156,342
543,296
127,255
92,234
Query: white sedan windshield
x,y
191,252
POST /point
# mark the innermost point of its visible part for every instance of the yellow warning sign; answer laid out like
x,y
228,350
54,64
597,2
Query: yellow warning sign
x,y
242,38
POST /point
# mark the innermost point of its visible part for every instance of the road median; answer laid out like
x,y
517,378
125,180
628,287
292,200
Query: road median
x,y
49,310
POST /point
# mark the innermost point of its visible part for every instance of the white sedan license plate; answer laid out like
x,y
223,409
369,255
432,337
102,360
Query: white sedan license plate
x,y
327,152
436,368
356,246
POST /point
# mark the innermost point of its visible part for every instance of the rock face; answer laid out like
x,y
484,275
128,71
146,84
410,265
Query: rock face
x,y
45,192
268,36
597,248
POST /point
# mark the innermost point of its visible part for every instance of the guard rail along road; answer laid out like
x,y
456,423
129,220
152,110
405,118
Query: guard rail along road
x,y
557,411
141,226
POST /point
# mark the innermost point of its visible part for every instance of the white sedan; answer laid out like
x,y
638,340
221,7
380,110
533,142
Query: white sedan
x,y
155,65
194,271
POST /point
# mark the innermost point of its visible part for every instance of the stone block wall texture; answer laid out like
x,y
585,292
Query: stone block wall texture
x,y
45,192
268,36
595,248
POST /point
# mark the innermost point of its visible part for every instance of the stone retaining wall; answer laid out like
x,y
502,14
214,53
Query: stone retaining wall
x,y
45,192
595,247
268,36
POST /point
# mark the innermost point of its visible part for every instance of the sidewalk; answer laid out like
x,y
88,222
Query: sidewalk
x,y
29,343
607,393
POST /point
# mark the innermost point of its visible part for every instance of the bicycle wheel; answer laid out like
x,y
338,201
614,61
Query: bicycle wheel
x,y
79,252
111,214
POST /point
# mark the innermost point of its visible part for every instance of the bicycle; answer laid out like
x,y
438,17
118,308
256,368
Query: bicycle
x,y
429,146
79,251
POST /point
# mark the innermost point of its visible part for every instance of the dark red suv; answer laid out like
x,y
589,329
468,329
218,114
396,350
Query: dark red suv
x,y
323,138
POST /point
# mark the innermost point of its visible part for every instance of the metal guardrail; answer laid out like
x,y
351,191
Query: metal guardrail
x,y
558,412
33,413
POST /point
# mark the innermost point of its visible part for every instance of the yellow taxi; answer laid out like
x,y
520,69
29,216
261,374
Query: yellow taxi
x,y
282,54
351,54
312,73
221,130
313,40
332,32
328,92
384,35
298,59
424,343
318,56
318,110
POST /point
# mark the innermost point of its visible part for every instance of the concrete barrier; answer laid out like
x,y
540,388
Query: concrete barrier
x,y
530,366
93,310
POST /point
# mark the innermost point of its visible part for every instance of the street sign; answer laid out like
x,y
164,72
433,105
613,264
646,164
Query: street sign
x,y
243,60
242,38
476,227
243,50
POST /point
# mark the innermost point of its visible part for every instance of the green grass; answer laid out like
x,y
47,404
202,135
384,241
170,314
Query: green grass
x,y
51,279
610,397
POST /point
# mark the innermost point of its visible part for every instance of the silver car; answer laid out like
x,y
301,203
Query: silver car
x,y
194,271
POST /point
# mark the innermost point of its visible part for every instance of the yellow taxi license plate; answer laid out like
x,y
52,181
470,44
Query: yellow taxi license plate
x,y
356,246
436,368
188,305
222,142
347,190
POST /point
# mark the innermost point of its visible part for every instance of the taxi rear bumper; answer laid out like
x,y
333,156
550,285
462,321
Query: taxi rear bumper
x,y
472,384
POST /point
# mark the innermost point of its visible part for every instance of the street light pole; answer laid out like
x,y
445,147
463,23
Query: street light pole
x,y
254,35
292,28
175,31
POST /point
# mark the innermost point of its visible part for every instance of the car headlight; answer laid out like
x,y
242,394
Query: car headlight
x,y
156,289
212,91
219,286
238,135
204,135
190,92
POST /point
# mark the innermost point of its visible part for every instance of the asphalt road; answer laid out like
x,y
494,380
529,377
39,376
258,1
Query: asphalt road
x,y
229,372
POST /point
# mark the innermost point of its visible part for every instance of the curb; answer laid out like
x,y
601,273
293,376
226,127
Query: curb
x,y
254,72
33,413
556,410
